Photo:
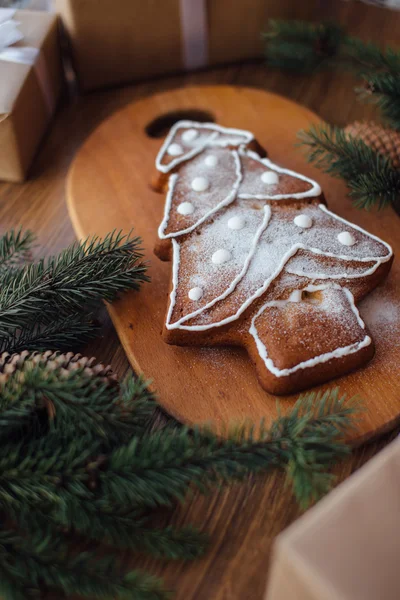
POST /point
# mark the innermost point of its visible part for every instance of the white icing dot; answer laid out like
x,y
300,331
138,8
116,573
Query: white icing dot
x,y
295,296
236,223
195,293
211,161
174,150
221,256
346,238
303,221
200,184
189,135
185,208
270,177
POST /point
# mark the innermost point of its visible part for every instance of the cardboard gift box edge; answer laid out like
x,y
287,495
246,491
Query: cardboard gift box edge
x,y
293,575
24,114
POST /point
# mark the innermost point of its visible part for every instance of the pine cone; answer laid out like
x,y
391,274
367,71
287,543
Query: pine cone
x,y
383,141
10,363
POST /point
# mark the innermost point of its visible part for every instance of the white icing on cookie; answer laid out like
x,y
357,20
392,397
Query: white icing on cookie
x,y
236,223
185,208
175,150
195,293
266,215
209,135
322,358
303,221
200,184
172,184
346,238
221,256
270,177
275,248
277,255
189,135
211,161
273,193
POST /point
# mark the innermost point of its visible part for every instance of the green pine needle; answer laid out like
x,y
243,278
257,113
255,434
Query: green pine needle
x,y
74,282
15,248
371,177
61,334
305,47
73,402
383,89
301,46
30,566
78,459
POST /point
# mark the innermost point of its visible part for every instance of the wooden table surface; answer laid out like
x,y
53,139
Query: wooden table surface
x,y
243,520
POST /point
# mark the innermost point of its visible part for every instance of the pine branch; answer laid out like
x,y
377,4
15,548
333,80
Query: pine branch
x,y
28,566
383,89
75,403
302,46
77,458
74,282
371,178
61,334
15,248
157,469
306,47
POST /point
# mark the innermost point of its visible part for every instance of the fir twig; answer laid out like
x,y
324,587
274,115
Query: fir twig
x,y
77,458
74,282
28,567
78,403
305,47
370,176
383,89
15,247
301,46
61,334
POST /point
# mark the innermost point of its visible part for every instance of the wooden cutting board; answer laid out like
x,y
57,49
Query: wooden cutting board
x,y
108,188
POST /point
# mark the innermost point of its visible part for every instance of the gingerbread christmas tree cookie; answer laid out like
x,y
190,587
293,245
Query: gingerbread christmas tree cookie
x,y
259,261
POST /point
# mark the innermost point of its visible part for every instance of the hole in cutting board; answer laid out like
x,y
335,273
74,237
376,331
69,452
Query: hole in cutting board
x,y
159,127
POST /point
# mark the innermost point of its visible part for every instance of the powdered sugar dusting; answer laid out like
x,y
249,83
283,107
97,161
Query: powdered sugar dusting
x,y
381,312
279,245
196,266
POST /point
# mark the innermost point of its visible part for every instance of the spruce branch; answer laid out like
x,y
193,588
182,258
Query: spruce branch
x,y
301,46
30,566
370,176
73,402
78,458
15,247
61,334
305,47
383,89
76,281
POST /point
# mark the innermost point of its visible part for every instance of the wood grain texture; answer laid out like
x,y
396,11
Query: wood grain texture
x,y
108,187
243,520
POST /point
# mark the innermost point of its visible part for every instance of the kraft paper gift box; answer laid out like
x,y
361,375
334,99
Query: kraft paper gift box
x,y
347,547
30,83
120,41
116,41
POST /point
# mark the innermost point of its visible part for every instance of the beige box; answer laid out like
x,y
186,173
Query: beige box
x,y
347,547
28,93
116,41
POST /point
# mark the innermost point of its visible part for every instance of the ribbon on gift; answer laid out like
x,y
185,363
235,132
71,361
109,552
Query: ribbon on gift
x,y
194,30
27,55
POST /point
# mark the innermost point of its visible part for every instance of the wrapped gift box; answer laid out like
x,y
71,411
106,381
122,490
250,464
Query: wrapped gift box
x,y
31,81
348,546
115,41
